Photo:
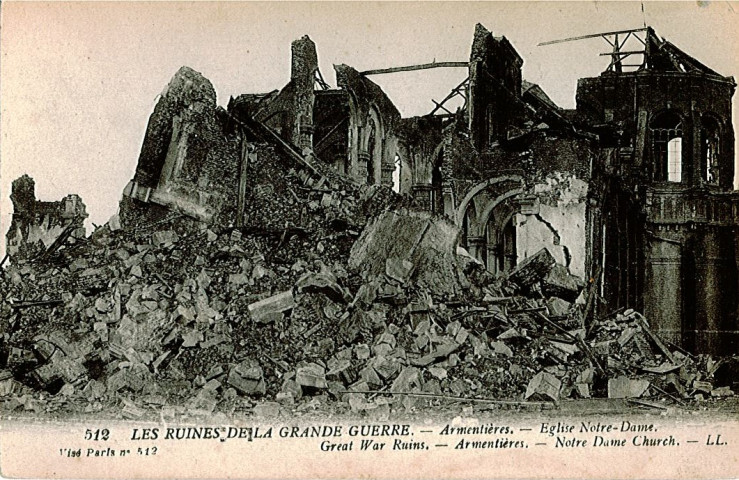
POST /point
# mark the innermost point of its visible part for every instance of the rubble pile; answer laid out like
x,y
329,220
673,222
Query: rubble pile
x,y
181,318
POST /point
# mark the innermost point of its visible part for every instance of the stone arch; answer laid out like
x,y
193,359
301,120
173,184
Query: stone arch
x,y
484,216
468,219
403,169
408,175
479,188
501,249
477,236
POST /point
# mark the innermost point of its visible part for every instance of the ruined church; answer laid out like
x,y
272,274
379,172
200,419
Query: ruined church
x,y
631,191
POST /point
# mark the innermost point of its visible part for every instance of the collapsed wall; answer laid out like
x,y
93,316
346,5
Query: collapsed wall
x,y
37,226
187,163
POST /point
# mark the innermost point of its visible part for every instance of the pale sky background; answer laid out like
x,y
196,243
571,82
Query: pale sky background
x,y
78,81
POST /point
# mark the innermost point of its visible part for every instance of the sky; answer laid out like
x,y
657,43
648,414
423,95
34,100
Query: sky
x,y
78,80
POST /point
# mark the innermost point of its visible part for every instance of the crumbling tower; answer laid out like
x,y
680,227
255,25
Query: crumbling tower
x,y
669,222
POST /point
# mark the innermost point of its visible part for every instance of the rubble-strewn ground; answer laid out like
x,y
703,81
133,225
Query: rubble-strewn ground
x,y
376,316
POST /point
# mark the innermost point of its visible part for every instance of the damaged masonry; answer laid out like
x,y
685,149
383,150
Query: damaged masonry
x,y
310,248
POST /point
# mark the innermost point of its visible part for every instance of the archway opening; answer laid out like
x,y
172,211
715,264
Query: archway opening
x,y
371,141
397,174
501,251
710,145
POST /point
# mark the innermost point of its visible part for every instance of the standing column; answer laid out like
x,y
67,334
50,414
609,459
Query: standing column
x,y
423,194
713,264
386,177
303,76
663,292
711,269
475,246
362,174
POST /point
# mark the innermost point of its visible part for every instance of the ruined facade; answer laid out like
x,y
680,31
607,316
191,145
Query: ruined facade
x,y
668,221
37,226
631,192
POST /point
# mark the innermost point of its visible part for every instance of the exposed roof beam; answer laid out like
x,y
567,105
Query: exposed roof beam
x,y
594,35
416,67
440,105
455,91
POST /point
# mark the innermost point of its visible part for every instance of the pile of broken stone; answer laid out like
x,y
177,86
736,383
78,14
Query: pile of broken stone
x,y
179,318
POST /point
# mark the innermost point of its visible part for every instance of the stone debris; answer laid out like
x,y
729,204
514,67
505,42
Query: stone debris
x,y
271,309
181,318
533,269
545,385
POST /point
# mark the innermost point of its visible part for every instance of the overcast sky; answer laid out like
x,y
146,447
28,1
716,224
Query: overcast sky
x,y
78,81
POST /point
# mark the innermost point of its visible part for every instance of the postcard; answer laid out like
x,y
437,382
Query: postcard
x,y
369,240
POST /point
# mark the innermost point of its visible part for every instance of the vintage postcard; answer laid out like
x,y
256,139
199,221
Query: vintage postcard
x,y
369,240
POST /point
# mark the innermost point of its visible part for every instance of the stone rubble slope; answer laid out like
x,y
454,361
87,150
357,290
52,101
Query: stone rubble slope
x,y
369,307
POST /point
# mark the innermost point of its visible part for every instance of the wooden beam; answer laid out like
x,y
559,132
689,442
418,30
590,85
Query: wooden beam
x,y
416,67
630,52
319,144
439,105
243,172
594,35
455,91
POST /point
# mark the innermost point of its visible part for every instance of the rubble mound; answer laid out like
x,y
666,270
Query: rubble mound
x,y
181,318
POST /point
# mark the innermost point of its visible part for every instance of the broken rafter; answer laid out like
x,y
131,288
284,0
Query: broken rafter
x,y
59,241
411,68
581,343
243,179
655,338
441,106
319,143
460,90
40,303
321,82
261,130
617,55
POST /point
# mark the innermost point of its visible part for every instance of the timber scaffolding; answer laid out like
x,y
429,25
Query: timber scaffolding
x,y
458,91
